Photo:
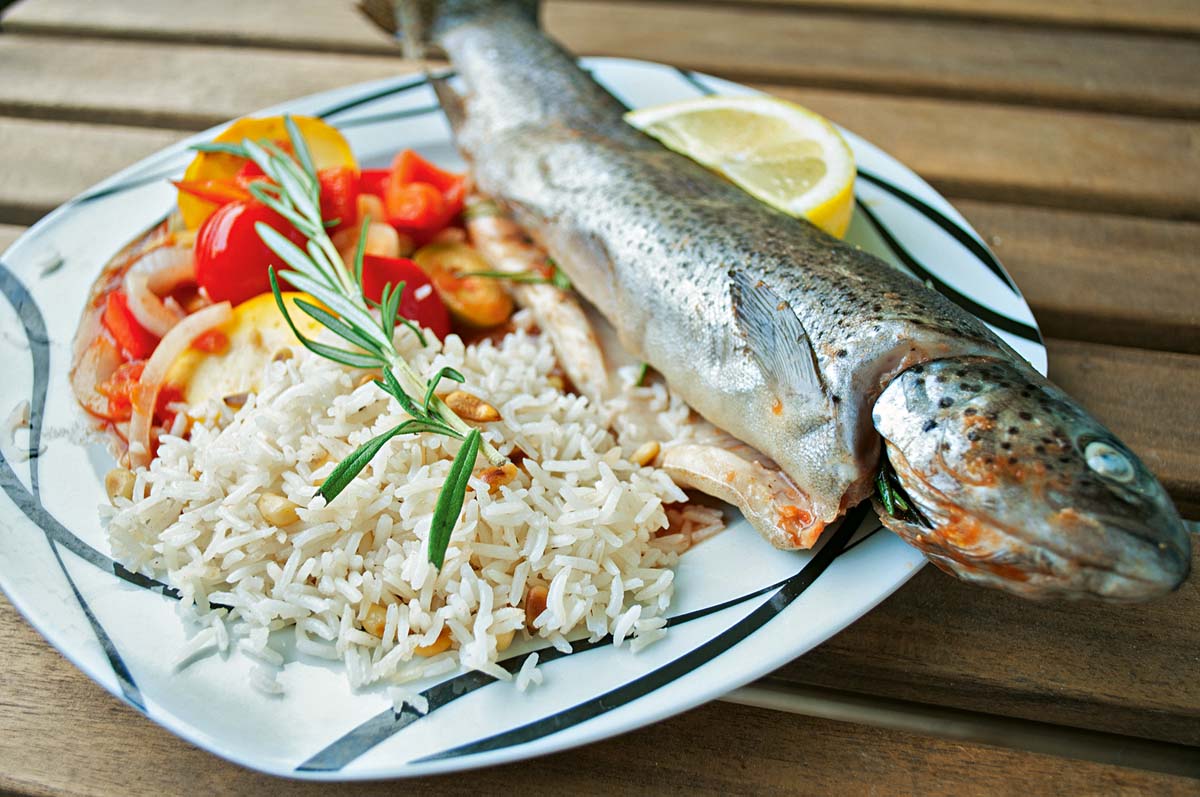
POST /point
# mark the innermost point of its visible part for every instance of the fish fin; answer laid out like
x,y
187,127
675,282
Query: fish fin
x,y
450,100
775,335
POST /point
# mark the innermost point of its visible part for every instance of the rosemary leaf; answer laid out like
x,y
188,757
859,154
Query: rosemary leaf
x,y
217,146
353,465
337,302
299,145
290,253
446,373
263,194
350,358
885,493
360,251
392,386
643,369
450,499
340,328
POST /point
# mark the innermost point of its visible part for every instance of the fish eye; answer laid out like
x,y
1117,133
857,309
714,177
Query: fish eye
x,y
1108,462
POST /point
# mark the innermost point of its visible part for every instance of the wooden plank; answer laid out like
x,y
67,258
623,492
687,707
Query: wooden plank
x,y
292,24
910,56
1177,17
166,85
967,149
1121,669
46,163
943,57
1058,158
8,234
320,25
1148,399
60,734
1097,277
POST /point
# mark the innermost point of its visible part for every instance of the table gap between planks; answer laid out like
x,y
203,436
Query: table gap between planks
x,y
1067,133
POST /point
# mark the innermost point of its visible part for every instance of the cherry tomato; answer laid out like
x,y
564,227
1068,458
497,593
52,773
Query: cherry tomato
x,y
419,302
339,197
135,340
231,260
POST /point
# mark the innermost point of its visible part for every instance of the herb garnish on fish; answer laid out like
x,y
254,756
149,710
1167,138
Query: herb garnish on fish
x,y
318,270
556,278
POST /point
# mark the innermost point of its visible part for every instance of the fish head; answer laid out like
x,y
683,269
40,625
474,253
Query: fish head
x,y
1014,485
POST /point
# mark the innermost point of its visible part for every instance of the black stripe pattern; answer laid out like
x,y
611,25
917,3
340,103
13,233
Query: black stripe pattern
x,y
30,502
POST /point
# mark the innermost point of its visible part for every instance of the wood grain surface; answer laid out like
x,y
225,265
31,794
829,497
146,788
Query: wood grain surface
x,y
940,56
1122,669
1158,16
967,149
319,24
1068,133
67,737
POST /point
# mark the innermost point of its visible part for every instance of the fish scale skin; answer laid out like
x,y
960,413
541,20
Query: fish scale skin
x,y
651,238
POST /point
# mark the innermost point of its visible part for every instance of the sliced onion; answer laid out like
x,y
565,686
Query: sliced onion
x,y
95,365
156,273
145,393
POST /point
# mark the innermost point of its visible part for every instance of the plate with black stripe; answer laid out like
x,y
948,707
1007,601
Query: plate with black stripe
x,y
741,608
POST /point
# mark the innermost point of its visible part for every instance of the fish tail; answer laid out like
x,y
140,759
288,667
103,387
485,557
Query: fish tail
x,y
418,23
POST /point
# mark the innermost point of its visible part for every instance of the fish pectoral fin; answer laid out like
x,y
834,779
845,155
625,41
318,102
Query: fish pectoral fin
x,y
775,336
451,101
774,506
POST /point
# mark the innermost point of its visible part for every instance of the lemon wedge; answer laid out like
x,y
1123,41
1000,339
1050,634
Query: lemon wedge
x,y
782,154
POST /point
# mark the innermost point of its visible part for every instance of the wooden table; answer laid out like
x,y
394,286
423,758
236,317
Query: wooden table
x,y
1067,133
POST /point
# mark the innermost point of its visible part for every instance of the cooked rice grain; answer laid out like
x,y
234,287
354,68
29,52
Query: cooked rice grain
x,y
579,519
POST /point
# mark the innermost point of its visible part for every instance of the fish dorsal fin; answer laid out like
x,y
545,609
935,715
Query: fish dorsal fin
x,y
775,336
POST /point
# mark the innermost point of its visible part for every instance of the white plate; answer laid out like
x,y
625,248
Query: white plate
x,y
741,608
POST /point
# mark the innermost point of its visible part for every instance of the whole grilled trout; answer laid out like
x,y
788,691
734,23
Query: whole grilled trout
x,y
808,349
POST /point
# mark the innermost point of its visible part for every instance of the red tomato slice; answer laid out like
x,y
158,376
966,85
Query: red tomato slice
x,y
409,167
373,181
419,302
135,340
339,197
118,389
231,260
219,192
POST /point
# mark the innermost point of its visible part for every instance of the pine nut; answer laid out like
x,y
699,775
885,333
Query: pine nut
x,y
236,401
646,453
504,640
277,510
118,482
470,408
535,603
375,620
498,476
439,644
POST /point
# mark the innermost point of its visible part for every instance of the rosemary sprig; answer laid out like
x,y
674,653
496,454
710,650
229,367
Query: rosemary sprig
x,y
294,192
891,495
556,278
643,370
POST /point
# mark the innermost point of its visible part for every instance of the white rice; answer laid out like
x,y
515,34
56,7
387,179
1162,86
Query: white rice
x,y
580,520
